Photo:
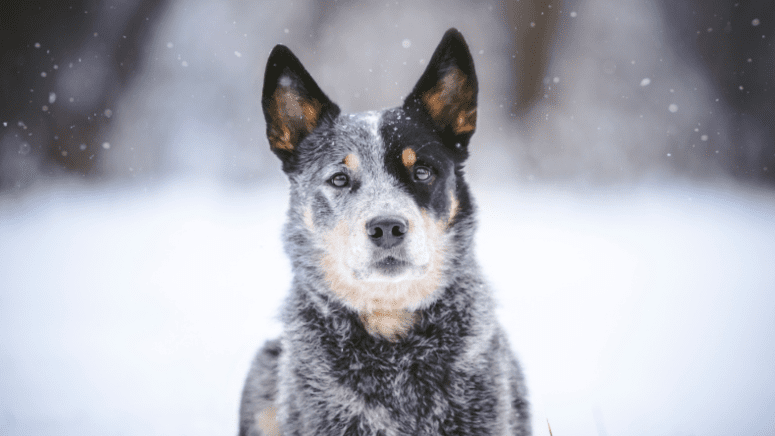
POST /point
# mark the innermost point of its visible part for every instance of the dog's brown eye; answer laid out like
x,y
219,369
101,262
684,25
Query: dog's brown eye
x,y
340,180
422,173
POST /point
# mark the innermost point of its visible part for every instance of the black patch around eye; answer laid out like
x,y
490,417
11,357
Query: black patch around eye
x,y
400,133
422,173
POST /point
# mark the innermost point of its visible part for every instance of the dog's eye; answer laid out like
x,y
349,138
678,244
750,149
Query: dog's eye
x,y
339,180
422,173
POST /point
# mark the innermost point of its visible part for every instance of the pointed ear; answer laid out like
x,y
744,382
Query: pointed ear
x,y
294,105
447,90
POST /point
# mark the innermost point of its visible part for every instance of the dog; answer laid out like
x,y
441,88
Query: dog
x,y
389,327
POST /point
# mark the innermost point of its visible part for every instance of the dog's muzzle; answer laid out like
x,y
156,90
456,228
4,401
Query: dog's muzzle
x,y
387,231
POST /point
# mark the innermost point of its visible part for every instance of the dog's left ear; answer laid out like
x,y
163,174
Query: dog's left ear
x,y
447,91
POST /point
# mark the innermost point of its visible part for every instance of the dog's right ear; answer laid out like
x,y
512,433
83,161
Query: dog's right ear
x,y
447,91
294,105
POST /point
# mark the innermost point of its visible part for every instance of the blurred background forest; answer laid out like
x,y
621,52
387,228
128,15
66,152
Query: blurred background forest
x,y
572,91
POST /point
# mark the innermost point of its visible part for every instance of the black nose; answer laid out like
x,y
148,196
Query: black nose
x,y
386,232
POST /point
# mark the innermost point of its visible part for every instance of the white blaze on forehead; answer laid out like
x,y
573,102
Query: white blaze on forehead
x,y
372,120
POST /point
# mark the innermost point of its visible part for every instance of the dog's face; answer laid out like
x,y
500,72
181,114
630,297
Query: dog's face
x,y
378,198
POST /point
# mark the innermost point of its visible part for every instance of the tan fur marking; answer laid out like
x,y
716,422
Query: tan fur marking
x,y
390,324
454,204
307,217
291,117
451,102
408,157
370,296
465,122
351,161
267,421
311,111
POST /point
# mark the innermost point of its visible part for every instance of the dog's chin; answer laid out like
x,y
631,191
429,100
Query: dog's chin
x,y
391,267
383,283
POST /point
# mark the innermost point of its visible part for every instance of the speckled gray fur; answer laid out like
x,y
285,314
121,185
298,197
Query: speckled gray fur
x,y
453,372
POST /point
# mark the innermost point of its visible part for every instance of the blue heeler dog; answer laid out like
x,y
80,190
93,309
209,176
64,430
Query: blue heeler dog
x,y
389,327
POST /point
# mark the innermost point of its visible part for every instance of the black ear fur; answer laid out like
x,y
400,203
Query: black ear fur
x,y
447,91
293,104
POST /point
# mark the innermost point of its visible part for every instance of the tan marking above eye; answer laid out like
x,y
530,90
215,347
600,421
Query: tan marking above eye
x,y
351,161
408,157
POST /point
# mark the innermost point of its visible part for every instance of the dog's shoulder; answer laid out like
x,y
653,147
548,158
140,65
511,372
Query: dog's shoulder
x,y
258,412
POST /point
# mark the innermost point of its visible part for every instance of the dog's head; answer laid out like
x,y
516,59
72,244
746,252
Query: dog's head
x,y
379,209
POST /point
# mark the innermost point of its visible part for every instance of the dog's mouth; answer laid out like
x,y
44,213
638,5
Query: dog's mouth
x,y
390,265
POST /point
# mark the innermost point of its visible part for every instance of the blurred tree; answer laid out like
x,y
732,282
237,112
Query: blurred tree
x,y
533,24
62,68
732,40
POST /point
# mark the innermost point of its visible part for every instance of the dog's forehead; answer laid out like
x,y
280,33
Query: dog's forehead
x,y
369,121
359,133
354,140
373,144
374,134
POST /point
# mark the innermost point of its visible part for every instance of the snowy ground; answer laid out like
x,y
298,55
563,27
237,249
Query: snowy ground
x,y
136,311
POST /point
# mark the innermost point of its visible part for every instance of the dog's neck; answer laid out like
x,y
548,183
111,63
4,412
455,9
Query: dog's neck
x,y
317,309
389,324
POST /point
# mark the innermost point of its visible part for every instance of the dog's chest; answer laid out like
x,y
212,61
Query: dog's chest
x,y
418,385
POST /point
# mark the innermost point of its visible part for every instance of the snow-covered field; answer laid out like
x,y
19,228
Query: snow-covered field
x,y
136,310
